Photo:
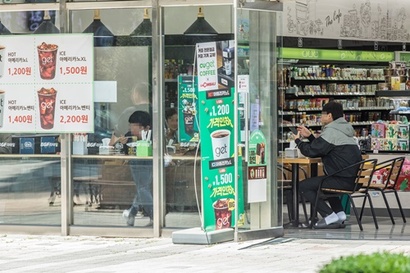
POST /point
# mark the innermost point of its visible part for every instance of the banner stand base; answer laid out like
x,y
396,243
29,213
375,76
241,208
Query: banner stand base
x,y
197,236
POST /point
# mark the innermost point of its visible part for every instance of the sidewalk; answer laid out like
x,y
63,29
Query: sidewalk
x,y
32,253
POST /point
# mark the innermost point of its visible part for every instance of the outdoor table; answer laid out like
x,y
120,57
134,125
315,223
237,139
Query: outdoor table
x,y
295,162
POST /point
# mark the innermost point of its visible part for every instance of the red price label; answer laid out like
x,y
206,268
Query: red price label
x,y
73,70
18,71
74,119
21,119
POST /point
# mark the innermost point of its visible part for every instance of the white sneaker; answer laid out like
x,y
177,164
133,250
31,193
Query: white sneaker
x,y
140,214
126,213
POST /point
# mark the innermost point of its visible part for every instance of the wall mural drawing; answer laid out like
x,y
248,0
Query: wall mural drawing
x,y
378,20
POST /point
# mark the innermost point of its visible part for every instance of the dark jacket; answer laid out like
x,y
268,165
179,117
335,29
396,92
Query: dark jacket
x,y
335,145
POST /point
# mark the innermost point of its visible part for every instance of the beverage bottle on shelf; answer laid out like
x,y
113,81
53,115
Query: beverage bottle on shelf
x,y
287,77
175,71
189,69
165,70
323,74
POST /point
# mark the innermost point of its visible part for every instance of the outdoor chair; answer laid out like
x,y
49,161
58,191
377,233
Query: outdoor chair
x,y
364,172
393,168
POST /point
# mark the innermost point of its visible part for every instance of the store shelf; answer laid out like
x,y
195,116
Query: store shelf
x,y
400,112
348,109
359,138
391,93
307,84
338,79
171,80
331,94
361,123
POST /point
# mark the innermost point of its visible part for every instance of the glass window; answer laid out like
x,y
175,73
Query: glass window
x,y
30,165
182,175
114,174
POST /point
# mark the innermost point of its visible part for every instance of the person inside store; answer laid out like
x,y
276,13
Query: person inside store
x,y
171,129
141,101
338,149
141,169
5,144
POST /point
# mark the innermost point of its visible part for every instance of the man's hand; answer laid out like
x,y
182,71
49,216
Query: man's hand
x,y
114,139
303,131
122,139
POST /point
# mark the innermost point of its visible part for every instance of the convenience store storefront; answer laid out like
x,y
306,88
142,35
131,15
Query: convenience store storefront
x,y
67,179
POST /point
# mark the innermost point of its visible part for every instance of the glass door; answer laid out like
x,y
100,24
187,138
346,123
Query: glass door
x,y
258,43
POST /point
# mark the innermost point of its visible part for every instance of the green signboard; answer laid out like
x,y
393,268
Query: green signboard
x,y
336,55
187,109
216,107
403,56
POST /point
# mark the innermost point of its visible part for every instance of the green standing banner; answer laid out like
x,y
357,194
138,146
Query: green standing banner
x,y
216,97
188,109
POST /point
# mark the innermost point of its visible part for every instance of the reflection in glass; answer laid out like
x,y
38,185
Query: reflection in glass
x,y
142,34
46,27
30,190
102,35
145,28
3,29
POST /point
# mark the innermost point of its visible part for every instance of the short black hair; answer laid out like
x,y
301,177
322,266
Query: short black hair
x,y
141,117
334,108
170,112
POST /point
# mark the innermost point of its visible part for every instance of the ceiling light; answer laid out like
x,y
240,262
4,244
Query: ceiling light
x,y
200,27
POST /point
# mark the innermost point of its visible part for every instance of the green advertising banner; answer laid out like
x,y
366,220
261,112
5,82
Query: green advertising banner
x,y
188,109
216,107
336,55
257,167
403,56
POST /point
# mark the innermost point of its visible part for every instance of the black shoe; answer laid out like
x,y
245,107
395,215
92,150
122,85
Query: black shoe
x,y
321,224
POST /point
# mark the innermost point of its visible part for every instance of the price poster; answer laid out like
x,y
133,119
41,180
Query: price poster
x,y
257,172
216,108
187,109
46,83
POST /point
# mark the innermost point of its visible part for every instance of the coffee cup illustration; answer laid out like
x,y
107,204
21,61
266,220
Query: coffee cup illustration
x,y
47,58
260,153
189,123
221,144
223,214
47,103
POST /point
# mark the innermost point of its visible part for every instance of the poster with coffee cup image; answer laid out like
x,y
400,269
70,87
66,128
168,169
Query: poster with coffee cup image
x,y
188,115
47,83
257,167
216,108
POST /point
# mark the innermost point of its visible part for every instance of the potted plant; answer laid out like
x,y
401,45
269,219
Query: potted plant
x,y
378,262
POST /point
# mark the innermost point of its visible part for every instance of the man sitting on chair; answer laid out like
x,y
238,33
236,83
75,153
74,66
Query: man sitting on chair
x,y
338,149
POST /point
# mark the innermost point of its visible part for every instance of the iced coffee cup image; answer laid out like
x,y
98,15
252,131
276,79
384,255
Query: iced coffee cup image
x,y
223,214
189,123
260,153
2,96
47,58
47,103
221,144
2,59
